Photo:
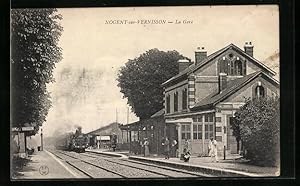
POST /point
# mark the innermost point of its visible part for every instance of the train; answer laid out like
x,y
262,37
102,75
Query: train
x,y
79,143
72,142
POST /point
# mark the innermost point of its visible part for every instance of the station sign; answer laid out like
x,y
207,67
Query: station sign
x,y
22,129
104,138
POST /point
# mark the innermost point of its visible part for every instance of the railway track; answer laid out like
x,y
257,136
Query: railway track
x,y
104,166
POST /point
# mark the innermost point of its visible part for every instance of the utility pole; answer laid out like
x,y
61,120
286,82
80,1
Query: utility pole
x,y
42,140
127,115
116,115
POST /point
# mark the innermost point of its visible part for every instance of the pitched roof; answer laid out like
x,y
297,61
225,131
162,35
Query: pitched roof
x,y
111,125
232,87
158,113
192,68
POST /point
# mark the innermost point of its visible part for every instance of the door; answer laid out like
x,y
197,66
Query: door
x,y
172,135
197,141
185,134
203,130
231,140
208,131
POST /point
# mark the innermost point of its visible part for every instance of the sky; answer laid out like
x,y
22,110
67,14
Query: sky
x,y
85,92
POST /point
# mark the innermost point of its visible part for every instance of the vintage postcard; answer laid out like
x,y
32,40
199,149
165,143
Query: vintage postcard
x,y
185,92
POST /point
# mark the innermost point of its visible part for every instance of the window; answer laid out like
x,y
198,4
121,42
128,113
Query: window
x,y
185,131
175,101
238,68
208,125
194,119
168,103
259,91
208,117
209,130
197,118
232,66
224,65
218,119
218,129
197,131
184,99
219,138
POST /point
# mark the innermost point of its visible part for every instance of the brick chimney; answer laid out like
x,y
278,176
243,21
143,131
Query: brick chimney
x,y
249,48
200,54
183,64
222,81
191,90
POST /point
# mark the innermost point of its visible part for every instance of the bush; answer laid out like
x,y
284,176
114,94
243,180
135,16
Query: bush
x,y
257,124
18,164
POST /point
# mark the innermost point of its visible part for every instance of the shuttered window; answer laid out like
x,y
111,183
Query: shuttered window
x,y
184,99
175,101
168,103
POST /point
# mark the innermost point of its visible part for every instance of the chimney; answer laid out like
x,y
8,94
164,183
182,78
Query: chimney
x,y
200,54
191,90
222,81
249,48
183,64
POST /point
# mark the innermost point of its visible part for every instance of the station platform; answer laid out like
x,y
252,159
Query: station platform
x,y
44,165
233,166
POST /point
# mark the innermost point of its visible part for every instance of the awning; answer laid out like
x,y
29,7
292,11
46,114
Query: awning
x,y
182,120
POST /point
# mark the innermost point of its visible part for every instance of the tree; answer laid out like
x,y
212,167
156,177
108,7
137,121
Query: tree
x,y
34,52
141,78
257,125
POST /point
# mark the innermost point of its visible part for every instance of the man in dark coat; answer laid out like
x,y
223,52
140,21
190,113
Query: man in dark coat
x,y
166,146
174,148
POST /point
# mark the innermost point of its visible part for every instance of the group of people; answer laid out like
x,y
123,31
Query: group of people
x,y
142,147
212,148
169,147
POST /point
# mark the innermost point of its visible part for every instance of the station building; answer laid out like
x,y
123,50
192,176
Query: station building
x,y
200,101
101,138
153,128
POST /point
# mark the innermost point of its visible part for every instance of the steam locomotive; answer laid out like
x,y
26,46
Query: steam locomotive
x,y
73,142
79,143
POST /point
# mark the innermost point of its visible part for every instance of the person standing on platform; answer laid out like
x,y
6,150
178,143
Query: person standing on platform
x,y
146,146
174,148
186,151
134,147
213,152
141,147
166,146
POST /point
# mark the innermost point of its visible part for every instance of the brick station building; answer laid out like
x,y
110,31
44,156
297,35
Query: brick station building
x,y
201,100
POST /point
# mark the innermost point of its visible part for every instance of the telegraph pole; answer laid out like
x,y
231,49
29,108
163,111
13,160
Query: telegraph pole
x,y
116,115
127,115
42,140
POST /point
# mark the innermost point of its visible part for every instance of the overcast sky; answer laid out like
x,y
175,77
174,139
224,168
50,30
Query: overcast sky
x,y
101,49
